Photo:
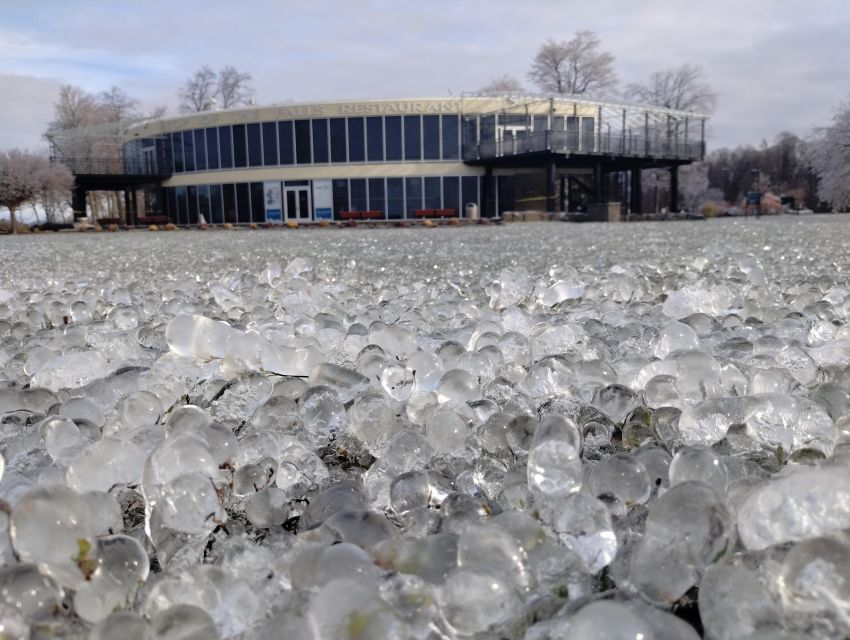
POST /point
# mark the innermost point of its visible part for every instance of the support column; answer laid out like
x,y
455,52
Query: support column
x,y
562,199
674,189
598,184
135,206
78,202
550,186
486,184
636,191
127,205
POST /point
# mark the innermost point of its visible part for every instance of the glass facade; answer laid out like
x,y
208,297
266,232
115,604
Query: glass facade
x,y
393,198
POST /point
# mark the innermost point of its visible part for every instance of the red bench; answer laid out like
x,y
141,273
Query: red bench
x,y
435,213
148,220
361,215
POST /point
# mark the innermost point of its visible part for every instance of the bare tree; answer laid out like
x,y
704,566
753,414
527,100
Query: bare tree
x,y
158,111
574,67
20,180
54,191
683,88
198,93
829,156
233,88
75,108
117,105
499,86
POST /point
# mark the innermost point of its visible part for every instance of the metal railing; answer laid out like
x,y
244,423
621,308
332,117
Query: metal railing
x,y
583,143
113,166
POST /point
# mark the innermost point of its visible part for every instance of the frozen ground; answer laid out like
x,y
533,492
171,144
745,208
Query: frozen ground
x,y
532,431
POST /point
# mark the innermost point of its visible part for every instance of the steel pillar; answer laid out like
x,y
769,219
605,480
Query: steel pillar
x,y
486,185
551,185
562,194
674,189
598,183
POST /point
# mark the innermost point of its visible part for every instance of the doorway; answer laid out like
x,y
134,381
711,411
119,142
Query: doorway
x,y
297,202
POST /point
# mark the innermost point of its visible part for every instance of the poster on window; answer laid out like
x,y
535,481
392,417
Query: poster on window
x,y
274,206
323,200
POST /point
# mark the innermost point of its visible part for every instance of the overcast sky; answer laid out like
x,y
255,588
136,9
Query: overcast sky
x,y
776,64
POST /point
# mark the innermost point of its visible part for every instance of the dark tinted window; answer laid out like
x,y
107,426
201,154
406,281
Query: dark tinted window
x,y
192,198
376,195
177,151
431,137
284,134
216,209
505,187
212,148
303,154
356,140
451,194
412,138
270,143
240,147
258,203
395,197
188,151
375,138
225,146
320,140
413,195
470,190
200,150
171,204
182,207
204,202
487,128
450,146
243,202
229,201
338,143
358,195
392,126
340,196
433,199
255,146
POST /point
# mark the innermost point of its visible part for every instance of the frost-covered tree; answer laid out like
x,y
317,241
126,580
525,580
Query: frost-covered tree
x,y
198,92
233,87
500,86
829,156
21,176
683,88
574,67
75,107
117,105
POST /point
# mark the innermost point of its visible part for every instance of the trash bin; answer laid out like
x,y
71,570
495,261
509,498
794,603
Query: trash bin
x,y
472,211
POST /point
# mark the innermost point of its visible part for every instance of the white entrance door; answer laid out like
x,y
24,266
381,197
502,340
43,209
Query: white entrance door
x,y
296,202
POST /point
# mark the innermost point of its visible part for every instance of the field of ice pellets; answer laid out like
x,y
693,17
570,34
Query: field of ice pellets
x,y
529,432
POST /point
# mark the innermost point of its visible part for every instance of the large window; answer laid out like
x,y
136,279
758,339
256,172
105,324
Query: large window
x,y
469,187
587,135
240,149
212,148
430,137
358,194
392,126
243,202
375,138
505,193
356,140
204,202
433,198
200,150
188,150
226,147
450,138
229,201
255,146
413,195
303,154
340,196
192,193
320,140
270,144
395,198
377,201
182,207
287,148
216,209
451,194
338,142
171,204
177,150
412,138
258,203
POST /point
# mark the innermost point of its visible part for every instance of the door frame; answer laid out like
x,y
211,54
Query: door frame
x,y
298,215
